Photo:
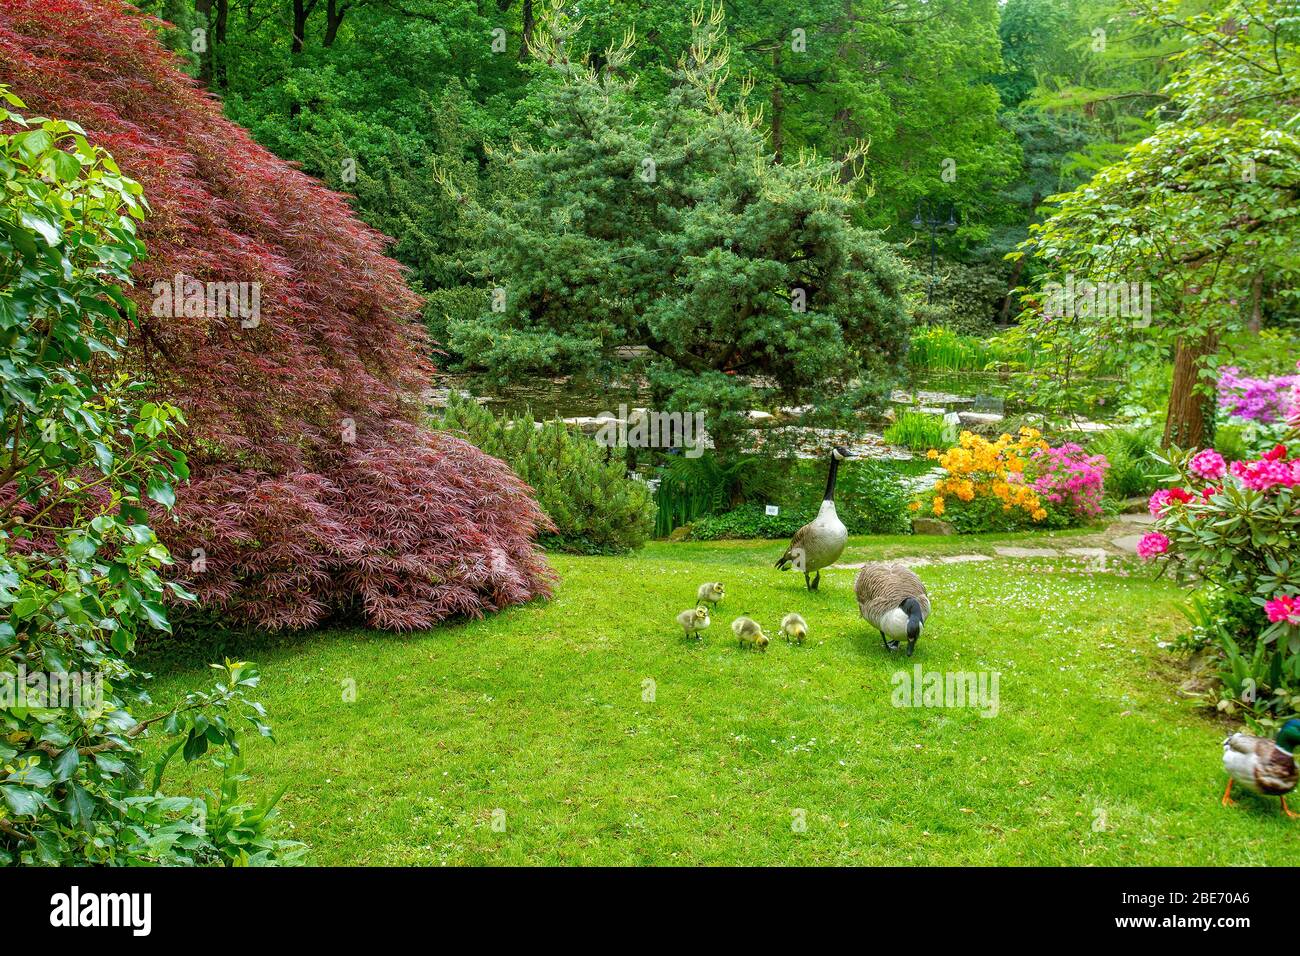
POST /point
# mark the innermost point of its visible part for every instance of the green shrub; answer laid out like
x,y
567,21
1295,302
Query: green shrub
x,y
869,499
80,566
690,488
920,431
1134,469
940,348
582,486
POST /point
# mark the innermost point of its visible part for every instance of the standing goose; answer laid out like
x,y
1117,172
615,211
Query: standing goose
x,y
821,541
892,598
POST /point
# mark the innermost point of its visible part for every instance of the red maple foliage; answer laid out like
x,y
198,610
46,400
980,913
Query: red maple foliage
x,y
314,488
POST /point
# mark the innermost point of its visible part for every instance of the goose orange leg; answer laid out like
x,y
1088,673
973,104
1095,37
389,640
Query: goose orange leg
x,y
1227,796
1287,810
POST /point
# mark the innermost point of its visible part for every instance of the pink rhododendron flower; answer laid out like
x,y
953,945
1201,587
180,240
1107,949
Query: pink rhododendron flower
x,y
1208,464
1069,476
1153,543
1285,607
1265,474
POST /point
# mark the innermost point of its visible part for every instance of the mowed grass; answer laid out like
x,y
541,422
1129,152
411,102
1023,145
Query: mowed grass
x,y
540,714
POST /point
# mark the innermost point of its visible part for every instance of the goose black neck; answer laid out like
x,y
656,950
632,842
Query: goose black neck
x,y
830,478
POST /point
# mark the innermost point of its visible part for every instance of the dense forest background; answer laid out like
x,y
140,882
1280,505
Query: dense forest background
x,y
970,111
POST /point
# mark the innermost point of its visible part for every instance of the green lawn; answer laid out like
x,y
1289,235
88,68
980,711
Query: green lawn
x,y
538,712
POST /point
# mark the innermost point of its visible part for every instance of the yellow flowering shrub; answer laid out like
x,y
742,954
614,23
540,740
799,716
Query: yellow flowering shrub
x,y
989,473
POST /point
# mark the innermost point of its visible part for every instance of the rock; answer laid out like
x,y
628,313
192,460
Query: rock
x,y
754,415
979,418
680,534
1138,518
932,526
963,558
1128,542
1026,552
1134,505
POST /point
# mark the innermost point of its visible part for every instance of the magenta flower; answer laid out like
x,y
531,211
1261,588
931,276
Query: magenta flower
x,y
1285,607
1265,474
1208,464
1265,400
1152,544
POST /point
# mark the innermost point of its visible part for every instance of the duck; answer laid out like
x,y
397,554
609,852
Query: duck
x,y
749,632
894,600
821,541
711,592
1266,766
794,627
694,620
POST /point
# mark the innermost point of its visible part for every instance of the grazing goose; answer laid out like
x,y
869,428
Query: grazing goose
x,y
795,628
893,598
710,593
821,541
1263,765
694,621
750,633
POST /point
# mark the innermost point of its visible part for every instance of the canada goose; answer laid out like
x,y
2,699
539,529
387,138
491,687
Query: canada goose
x,y
1265,766
892,598
711,593
694,620
821,541
794,627
748,631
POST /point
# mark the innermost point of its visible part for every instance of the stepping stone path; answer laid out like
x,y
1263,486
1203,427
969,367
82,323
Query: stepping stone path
x,y
1118,542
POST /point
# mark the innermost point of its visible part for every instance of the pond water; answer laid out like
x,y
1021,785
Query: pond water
x,y
981,398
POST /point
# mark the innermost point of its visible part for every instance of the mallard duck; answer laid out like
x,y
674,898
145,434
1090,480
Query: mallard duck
x,y
749,633
694,620
821,541
893,599
1265,766
711,593
794,627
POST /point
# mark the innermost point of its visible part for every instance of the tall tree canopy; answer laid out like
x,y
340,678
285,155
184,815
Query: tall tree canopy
x,y
1206,208
314,486
668,225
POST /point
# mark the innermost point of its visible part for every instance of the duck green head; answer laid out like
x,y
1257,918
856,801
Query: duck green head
x,y
1288,738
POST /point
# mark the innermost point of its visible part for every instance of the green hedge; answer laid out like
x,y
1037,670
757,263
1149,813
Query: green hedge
x,y
584,490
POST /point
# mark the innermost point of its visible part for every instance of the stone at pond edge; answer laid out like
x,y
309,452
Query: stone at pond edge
x,y
932,526
680,533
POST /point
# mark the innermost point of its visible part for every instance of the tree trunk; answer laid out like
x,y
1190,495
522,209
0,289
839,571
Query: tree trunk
x,y
301,11
219,36
1256,320
778,132
204,9
334,12
1190,418
526,40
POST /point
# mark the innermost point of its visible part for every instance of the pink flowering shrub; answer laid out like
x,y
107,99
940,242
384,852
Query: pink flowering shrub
x,y
1068,479
1153,543
1264,400
1235,526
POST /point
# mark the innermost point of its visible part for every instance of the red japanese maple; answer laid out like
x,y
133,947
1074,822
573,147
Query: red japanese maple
x,y
314,488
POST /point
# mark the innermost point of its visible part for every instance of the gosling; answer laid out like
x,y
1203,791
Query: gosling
x,y
749,633
694,620
794,627
711,593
